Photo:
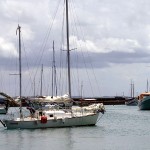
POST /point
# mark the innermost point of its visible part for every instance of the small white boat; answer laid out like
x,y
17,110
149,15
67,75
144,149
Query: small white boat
x,y
56,118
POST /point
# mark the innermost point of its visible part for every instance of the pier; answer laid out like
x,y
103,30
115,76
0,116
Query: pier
x,y
117,100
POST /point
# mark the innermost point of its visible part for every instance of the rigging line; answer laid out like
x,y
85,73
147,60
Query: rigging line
x,y
23,45
95,76
45,40
38,86
16,66
12,62
61,53
92,69
91,64
90,61
60,48
99,118
75,16
63,47
48,33
44,81
88,74
75,30
72,7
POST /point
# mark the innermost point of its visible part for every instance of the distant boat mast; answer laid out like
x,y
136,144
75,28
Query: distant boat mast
x,y
132,89
54,84
147,86
68,49
41,91
20,69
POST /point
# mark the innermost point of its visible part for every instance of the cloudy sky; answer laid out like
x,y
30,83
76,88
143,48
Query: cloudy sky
x,y
113,36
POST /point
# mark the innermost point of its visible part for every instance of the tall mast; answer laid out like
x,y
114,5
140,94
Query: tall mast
x,y
41,80
68,49
53,72
20,71
54,84
131,89
147,86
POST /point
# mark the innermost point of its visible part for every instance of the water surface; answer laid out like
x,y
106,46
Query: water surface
x,y
121,128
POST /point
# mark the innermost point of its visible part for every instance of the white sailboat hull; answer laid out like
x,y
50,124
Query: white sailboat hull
x,y
88,120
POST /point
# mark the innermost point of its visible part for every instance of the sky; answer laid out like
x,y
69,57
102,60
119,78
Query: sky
x,y
113,36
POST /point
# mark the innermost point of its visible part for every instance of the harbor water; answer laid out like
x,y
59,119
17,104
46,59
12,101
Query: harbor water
x,y
121,128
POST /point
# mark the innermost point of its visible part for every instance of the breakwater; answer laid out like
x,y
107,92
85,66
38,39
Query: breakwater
x,y
117,100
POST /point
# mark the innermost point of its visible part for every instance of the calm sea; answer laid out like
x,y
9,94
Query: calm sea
x,y
121,128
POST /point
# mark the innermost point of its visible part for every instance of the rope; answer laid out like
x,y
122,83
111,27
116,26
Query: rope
x,y
99,118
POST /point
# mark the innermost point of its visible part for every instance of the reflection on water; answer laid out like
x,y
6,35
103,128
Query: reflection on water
x,y
121,128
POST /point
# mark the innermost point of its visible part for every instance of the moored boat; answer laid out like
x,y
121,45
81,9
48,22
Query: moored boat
x,y
132,102
144,101
56,118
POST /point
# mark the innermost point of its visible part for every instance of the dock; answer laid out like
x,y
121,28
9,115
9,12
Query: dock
x,y
117,100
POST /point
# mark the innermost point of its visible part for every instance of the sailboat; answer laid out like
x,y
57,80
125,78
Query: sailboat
x,y
144,99
132,101
54,117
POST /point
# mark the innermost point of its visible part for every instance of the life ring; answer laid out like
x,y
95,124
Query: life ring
x,y
43,119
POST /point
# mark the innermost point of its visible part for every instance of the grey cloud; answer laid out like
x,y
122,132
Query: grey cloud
x,y
98,20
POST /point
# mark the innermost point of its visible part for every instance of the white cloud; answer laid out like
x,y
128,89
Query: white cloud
x,y
106,45
118,44
7,48
27,32
84,45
